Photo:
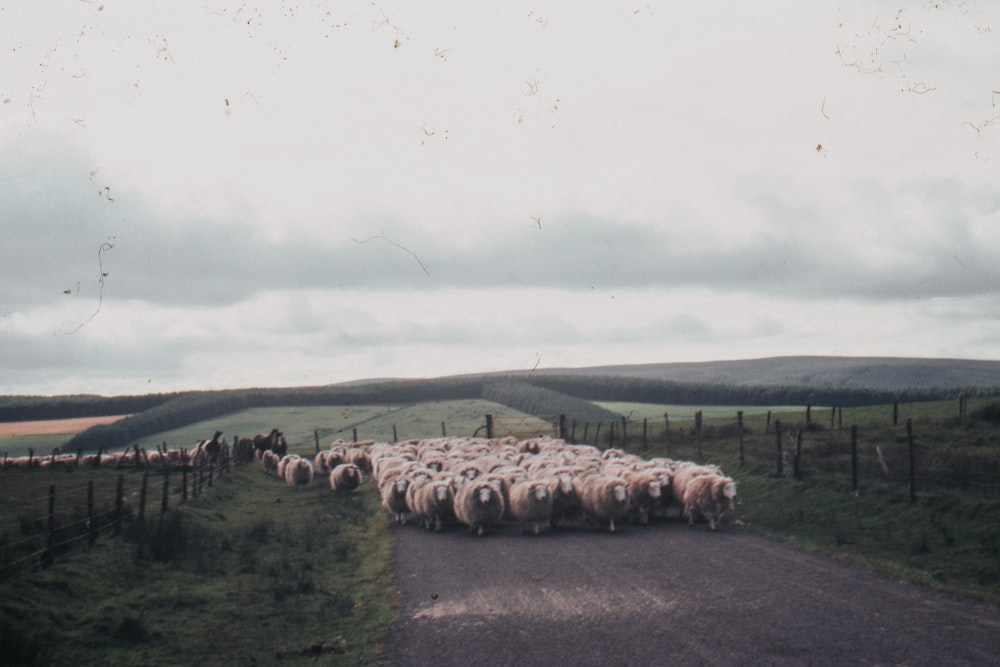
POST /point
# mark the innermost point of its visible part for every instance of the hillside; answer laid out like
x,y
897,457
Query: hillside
x,y
879,373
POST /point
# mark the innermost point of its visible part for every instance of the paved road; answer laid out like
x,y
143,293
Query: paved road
x,y
665,595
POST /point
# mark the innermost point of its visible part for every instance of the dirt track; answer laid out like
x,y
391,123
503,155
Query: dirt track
x,y
665,595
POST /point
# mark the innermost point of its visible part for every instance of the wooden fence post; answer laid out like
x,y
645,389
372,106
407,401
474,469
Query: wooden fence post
x,y
913,465
666,432
50,542
895,413
777,438
164,503
395,438
854,458
572,432
833,416
316,438
809,416
586,427
119,503
767,429
142,496
798,454
444,434
697,428
739,428
91,528
354,434
489,427
645,430
597,434
184,484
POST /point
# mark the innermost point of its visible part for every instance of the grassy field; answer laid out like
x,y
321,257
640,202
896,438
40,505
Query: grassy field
x,y
685,413
331,422
253,572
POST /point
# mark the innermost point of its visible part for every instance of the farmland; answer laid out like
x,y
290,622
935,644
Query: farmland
x,y
268,557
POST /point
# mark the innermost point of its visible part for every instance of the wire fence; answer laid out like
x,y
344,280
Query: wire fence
x,y
46,513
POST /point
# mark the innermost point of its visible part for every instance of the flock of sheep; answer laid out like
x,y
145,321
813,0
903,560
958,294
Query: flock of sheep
x,y
202,451
539,483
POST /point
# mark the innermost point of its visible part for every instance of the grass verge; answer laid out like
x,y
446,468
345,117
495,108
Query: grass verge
x,y
251,573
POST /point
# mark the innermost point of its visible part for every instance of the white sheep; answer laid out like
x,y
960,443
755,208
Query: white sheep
x,y
604,498
531,504
565,497
645,489
684,472
270,461
284,462
709,496
479,504
345,477
434,503
393,495
298,472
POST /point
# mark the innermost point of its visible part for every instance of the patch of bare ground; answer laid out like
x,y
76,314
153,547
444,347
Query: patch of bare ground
x,y
55,426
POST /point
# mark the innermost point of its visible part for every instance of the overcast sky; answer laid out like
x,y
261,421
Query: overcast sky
x,y
228,195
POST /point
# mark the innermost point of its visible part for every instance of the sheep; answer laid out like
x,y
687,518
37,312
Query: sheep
x,y
604,498
479,504
645,489
684,472
565,497
345,477
298,472
434,503
531,504
393,495
270,461
709,496
284,462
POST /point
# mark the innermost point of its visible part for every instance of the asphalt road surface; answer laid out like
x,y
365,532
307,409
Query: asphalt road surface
x,y
665,594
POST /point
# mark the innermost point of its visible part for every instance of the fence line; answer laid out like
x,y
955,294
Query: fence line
x,y
75,516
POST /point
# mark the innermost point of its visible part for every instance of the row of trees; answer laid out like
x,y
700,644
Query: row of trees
x,y
570,395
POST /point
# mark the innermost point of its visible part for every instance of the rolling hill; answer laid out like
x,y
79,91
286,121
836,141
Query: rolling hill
x,y
879,373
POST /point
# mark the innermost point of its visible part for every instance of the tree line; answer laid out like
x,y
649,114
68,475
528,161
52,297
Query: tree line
x,y
569,395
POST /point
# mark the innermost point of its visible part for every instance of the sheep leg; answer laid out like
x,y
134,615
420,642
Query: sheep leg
x,y
612,525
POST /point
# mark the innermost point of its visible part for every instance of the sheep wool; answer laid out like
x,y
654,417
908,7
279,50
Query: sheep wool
x,y
479,505
345,477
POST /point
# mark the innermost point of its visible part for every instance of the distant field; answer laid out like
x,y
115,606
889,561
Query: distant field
x,y
55,426
41,437
686,412
372,422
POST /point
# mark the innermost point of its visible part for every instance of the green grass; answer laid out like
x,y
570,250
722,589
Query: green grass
x,y
300,424
18,445
251,572
685,413
948,538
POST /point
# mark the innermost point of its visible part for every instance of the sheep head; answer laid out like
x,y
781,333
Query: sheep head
x,y
442,491
620,493
485,493
729,492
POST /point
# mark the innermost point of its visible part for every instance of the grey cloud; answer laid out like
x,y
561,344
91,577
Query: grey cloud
x,y
62,222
